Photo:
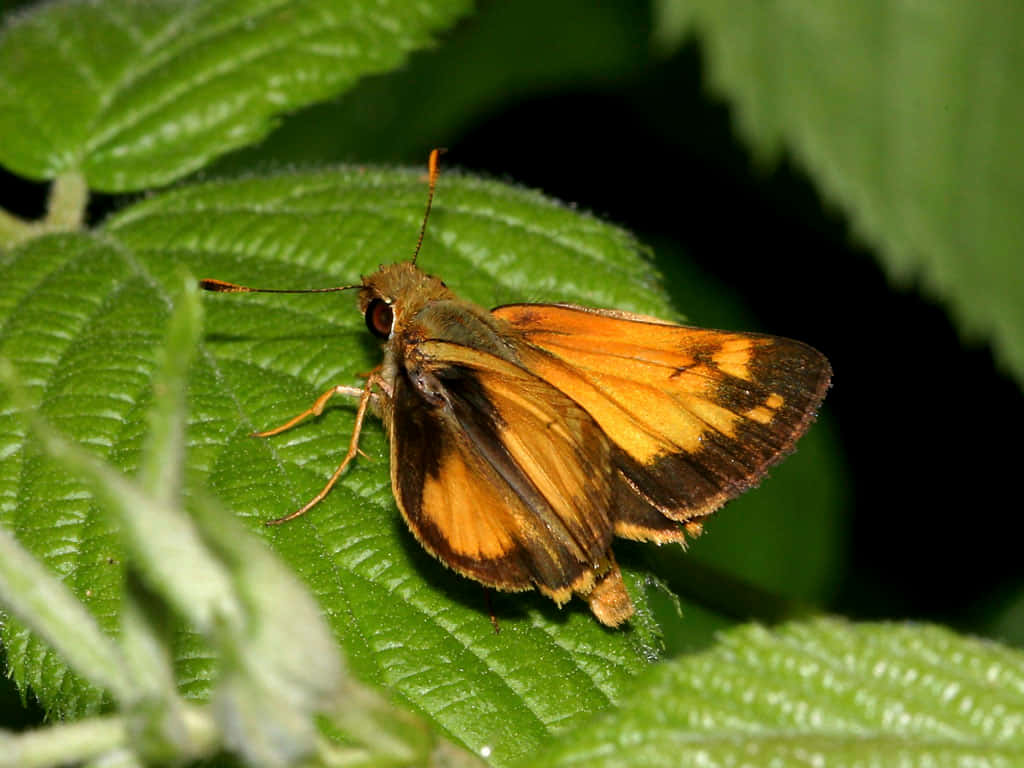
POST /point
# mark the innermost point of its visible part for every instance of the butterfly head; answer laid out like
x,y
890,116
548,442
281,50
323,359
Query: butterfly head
x,y
388,296
395,292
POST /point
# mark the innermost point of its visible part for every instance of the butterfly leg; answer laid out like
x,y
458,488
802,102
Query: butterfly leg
x,y
315,410
490,611
365,395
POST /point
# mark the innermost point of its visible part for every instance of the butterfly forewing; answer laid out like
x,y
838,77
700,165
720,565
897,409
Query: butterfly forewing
x,y
696,416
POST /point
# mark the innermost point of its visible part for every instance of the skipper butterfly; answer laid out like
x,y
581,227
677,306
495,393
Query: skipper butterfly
x,y
525,438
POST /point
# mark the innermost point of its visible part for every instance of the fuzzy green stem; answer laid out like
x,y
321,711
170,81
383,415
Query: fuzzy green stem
x,y
74,743
69,196
62,744
14,229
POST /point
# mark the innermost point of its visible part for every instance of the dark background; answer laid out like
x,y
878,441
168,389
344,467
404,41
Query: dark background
x,y
582,109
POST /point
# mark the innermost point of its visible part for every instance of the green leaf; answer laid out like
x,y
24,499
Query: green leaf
x,y
820,693
36,596
135,94
83,318
278,665
441,93
908,116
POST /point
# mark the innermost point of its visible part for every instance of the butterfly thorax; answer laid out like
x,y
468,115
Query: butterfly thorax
x,y
426,309
404,286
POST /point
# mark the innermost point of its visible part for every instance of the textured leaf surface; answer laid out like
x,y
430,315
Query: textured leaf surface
x,y
907,114
81,317
134,94
823,693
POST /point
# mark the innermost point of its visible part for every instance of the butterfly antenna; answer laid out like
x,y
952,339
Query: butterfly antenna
x,y
434,170
219,286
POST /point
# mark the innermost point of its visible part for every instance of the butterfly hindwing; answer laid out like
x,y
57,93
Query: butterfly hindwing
x,y
498,474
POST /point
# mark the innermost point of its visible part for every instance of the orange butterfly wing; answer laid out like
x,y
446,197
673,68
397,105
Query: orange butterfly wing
x,y
696,416
501,477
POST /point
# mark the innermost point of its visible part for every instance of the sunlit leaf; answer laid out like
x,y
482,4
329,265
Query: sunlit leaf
x,y
135,94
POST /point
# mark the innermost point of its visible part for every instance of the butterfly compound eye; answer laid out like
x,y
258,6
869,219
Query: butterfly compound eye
x,y
379,318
